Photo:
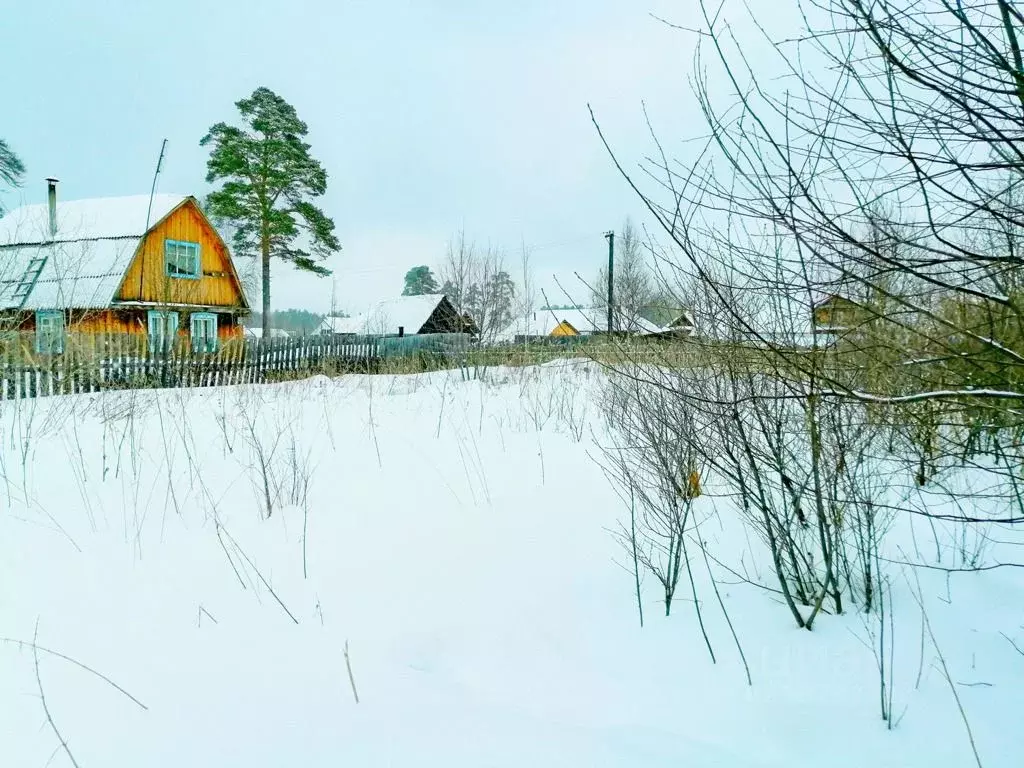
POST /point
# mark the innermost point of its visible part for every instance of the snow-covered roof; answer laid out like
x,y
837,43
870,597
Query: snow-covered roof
x,y
344,325
275,333
84,264
84,275
684,320
94,219
636,324
542,322
386,317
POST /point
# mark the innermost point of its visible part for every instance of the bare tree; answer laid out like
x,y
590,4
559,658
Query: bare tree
x,y
848,240
11,168
527,300
477,283
656,463
884,162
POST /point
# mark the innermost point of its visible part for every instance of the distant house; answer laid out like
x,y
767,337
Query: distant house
x,y
126,265
683,325
402,316
572,323
275,333
834,313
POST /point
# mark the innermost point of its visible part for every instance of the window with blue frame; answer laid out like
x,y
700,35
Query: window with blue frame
x,y
49,332
181,259
163,327
204,332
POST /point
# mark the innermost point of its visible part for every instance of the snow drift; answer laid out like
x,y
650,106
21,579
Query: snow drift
x,y
213,577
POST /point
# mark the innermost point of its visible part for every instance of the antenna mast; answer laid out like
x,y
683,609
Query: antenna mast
x,y
149,212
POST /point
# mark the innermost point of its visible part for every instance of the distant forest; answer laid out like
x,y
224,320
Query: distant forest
x,y
295,321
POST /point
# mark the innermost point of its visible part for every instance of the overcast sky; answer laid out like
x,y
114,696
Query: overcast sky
x,y
429,115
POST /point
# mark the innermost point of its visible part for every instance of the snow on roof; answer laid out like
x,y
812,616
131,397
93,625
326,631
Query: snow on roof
x,y
386,317
345,325
636,324
275,333
542,322
684,320
83,275
86,261
95,219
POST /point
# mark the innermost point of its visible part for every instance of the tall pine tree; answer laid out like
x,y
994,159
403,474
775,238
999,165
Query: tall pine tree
x,y
269,179
419,281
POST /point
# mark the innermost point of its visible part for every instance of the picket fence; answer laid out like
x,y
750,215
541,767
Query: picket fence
x,y
125,362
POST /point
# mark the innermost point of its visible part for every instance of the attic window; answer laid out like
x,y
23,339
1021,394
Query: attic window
x,y
181,259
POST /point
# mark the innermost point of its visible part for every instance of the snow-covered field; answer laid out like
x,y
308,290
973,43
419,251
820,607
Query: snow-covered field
x,y
455,537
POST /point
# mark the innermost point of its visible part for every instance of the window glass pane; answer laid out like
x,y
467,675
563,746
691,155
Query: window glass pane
x,y
182,258
204,333
49,332
162,328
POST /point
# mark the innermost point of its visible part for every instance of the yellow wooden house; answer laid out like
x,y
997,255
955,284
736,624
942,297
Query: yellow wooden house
x,y
151,266
552,322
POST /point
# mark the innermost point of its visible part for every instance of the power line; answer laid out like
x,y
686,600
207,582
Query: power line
x,y
573,241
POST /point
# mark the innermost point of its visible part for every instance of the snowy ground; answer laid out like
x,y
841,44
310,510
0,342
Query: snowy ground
x,y
455,535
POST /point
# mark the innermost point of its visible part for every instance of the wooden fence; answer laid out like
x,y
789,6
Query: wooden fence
x,y
125,362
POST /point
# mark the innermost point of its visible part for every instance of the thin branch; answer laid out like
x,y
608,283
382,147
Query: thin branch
x,y
77,663
42,698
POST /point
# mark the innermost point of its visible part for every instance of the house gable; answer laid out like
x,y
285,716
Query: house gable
x,y
836,312
216,283
444,319
565,328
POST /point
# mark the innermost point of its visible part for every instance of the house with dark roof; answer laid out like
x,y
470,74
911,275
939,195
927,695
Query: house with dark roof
x,y
152,266
430,313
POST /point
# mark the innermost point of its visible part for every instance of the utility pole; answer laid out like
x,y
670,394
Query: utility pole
x,y
611,280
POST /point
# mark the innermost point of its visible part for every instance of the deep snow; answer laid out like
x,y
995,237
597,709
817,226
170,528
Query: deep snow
x,y
458,539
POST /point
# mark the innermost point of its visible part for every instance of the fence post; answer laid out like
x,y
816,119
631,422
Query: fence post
x,y
237,356
122,354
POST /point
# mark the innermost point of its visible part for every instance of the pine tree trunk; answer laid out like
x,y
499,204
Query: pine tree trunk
x,y
265,248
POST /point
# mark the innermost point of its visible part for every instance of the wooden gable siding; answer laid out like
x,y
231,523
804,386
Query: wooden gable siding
x,y
836,312
564,328
146,279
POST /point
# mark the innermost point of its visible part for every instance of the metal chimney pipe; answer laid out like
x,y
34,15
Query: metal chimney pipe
x,y
51,184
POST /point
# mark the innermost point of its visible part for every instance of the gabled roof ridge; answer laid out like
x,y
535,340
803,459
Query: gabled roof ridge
x,y
88,219
40,243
